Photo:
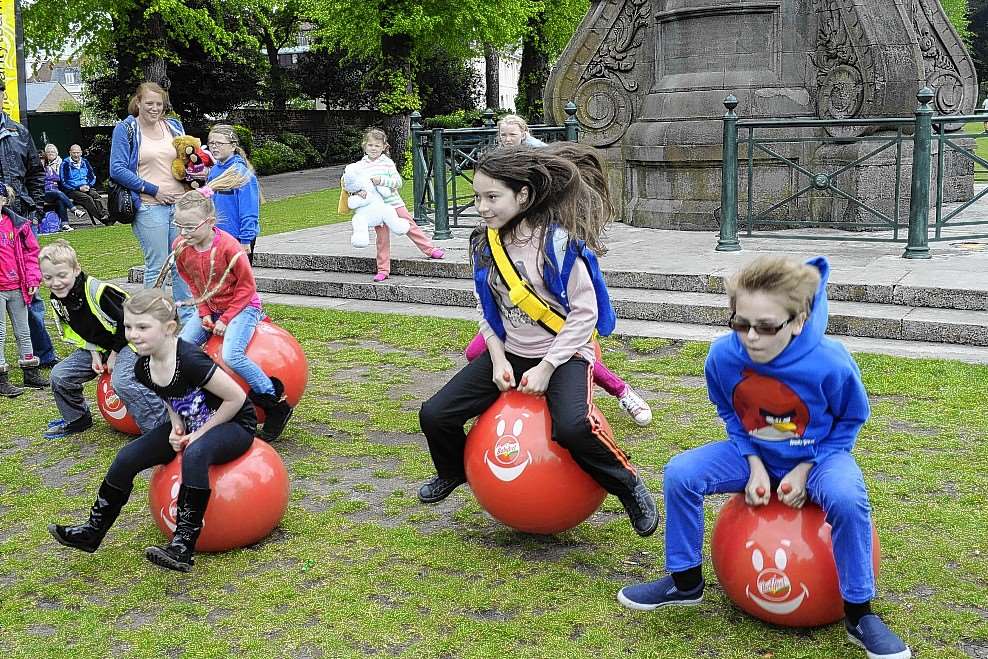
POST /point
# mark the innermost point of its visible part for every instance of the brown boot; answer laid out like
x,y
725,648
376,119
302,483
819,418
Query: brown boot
x,y
6,389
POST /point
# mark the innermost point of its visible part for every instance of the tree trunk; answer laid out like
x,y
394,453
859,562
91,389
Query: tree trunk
x,y
279,100
398,96
155,68
534,71
492,77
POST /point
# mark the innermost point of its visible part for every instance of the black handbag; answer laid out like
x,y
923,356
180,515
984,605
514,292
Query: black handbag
x,y
120,205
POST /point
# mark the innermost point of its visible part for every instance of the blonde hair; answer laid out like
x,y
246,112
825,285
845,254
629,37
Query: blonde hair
x,y
199,204
59,252
227,131
153,302
134,106
794,283
514,119
375,134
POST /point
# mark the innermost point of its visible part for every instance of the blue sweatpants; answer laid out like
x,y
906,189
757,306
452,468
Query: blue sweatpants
x,y
835,484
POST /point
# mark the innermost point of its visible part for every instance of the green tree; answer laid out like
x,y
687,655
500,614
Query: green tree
x,y
209,45
979,40
395,33
958,14
548,30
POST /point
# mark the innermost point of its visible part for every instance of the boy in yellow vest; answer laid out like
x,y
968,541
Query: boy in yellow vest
x,y
89,315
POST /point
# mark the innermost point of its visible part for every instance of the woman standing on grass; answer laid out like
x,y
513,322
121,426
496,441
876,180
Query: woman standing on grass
x,y
141,155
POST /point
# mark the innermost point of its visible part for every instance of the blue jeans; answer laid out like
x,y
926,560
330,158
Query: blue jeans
x,y
155,232
68,378
235,340
61,203
40,339
835,484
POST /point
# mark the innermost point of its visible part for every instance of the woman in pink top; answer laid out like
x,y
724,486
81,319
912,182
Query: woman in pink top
x,y
141,155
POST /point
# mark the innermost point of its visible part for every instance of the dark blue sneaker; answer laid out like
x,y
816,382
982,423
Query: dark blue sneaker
x,y
655,594
878,641
60,430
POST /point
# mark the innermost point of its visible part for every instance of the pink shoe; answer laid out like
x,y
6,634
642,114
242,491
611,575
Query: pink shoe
x,y
437,253
381,276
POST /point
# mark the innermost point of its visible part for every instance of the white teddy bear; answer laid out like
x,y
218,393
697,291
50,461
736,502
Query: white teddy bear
x,y
371,211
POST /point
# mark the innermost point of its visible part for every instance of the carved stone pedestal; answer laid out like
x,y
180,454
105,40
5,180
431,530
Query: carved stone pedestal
x,y
649,78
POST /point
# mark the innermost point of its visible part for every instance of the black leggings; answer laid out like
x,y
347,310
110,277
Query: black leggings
x,y
223,443
568,397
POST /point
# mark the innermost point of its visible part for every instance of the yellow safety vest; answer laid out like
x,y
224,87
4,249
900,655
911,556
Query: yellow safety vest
x,y
94,290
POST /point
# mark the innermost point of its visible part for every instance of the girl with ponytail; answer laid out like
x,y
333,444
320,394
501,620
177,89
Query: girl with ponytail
x,y
237,209
224,293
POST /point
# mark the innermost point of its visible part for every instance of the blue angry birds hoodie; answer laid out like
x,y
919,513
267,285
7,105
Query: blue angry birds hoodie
x,y
804,405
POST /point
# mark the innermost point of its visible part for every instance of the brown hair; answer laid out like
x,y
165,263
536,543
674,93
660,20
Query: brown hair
x,y
793,282
134,106
373,133
153,302
567,187
59,252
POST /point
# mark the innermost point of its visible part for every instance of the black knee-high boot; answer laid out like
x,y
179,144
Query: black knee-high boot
x,y
104,512
277,411
177,554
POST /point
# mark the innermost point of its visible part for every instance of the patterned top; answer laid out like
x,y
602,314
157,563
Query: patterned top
x,y
186,394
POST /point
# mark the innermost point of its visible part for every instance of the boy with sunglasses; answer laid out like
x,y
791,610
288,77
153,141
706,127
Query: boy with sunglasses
x,y
793,403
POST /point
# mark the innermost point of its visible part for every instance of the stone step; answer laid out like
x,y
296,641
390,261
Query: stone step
x,y
870,320
901,292
641,328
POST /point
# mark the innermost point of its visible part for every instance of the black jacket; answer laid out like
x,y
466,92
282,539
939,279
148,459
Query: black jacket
x,y
20,167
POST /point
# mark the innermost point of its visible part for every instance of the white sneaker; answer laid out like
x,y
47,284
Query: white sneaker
x,y
636,407
79,212
67,227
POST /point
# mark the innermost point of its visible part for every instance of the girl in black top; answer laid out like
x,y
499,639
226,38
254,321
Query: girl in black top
x,y
210,422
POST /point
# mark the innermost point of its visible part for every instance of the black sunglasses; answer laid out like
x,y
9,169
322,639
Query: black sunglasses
x,y
762,329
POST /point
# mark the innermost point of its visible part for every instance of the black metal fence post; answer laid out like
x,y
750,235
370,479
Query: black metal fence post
x,y
728,241
418,170
918,246
571,123
441,219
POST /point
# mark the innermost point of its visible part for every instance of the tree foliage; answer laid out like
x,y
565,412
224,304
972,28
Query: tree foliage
x,y
550,27
397,33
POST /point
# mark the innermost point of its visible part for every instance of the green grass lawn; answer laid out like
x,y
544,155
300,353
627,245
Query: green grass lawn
x,y
980,148
109,252
359,568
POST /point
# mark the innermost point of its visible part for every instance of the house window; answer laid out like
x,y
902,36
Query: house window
x,y
71,77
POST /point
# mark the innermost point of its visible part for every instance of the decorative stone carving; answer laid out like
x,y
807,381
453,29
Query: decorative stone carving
x,y
649,78
951,76
838,78
605,83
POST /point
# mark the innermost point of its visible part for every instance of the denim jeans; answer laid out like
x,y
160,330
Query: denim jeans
x,y
68,378
61,204
835,484
40,339
12,304
155,232
235,340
